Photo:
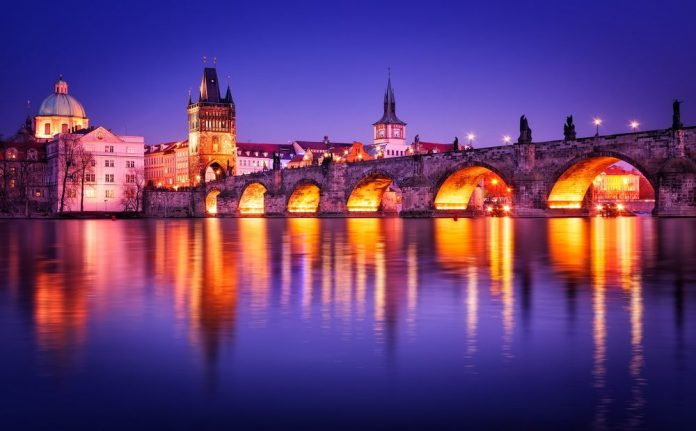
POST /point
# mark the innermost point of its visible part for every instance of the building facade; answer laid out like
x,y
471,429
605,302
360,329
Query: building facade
x,y
95,170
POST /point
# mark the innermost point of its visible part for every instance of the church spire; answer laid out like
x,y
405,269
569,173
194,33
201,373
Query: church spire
x,y
389,116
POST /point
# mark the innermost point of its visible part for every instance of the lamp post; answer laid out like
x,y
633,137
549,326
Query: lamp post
x,y
597,122
634,125
470,137
506,139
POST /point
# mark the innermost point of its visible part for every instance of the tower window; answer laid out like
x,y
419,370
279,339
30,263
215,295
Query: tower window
x,y
47,128
64,128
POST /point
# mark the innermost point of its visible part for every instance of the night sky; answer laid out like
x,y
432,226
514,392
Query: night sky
x,y
302,70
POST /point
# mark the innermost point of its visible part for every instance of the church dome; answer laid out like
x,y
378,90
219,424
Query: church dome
x,y
60,103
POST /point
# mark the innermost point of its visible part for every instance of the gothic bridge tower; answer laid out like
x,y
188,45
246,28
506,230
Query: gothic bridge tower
x,y
212,132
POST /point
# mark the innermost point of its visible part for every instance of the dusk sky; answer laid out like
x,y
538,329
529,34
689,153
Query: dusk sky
x,y
301,70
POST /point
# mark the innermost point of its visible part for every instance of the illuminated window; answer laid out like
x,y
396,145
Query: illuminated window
x,y
47,128
89,193
109,193
64,128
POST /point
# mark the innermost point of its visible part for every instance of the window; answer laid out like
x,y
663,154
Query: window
x,y
93,162
71,193
109,163
130,150
37,193
130,178
90,178
109,178
109,193
47,128
63,128
130,163
89,193
108,148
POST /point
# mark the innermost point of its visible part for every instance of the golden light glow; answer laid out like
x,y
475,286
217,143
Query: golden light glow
x,y
252,200
305,199
570,189
597,121
634,125
470,136
211,201
507,139
367,195
456,191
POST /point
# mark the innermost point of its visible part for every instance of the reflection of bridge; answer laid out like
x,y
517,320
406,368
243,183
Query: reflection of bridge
x,y
545,178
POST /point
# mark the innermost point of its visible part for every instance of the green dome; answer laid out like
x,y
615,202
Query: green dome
x,y
60,103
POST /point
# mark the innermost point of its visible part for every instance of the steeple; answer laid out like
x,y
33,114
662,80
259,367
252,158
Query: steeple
x,y
389,116
228,95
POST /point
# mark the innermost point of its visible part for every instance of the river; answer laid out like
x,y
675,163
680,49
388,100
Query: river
x,y
307,323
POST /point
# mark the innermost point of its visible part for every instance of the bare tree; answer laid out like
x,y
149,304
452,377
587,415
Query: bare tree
x,y
68,148
133,190
84,164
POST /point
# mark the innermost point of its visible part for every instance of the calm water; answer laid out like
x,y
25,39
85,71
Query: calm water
x,y
357,324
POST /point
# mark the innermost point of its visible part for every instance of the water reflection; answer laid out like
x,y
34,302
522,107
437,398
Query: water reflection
x,y
442,295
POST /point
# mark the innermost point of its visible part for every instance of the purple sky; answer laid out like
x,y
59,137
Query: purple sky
x,y
301,70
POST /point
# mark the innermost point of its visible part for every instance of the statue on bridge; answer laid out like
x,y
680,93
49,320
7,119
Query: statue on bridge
x,y
525,132
416,144
676,115
455,144
276,161
569,129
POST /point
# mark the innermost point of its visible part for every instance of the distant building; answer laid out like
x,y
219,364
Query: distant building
x,y
617,184
167,165
254,157
114,172
389,131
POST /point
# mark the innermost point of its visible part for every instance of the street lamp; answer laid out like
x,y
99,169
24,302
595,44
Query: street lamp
x,y
634,125
470,136
597,122
506,139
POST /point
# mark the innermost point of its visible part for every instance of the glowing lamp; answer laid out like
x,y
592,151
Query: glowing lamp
x,y
634,125
597,121
489,209
620,207
599,207
494,181
506,208
507,139
470,136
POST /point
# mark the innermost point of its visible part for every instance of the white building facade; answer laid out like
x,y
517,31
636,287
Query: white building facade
x,y
113,174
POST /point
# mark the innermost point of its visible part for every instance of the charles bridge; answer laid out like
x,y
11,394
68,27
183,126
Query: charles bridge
x,y
542,178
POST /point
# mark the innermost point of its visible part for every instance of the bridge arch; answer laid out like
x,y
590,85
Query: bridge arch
x,y
571,182
456,187
211,201
367,192
305,197
251,200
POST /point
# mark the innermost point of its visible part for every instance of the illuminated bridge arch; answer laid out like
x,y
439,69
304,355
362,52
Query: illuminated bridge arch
x,y
211,201
251,201
455,188
304,198
366,194
571,182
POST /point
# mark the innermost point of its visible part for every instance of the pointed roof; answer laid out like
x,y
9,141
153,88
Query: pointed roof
x,y
210,88
228,95
389,116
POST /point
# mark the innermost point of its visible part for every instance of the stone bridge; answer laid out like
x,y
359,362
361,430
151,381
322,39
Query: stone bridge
x,y
541,179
